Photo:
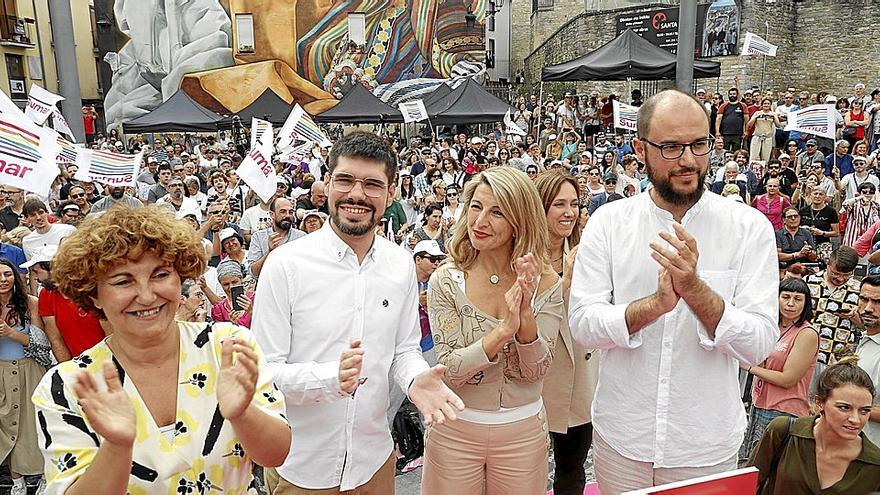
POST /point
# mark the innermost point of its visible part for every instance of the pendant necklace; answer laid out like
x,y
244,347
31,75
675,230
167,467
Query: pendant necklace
x,y
494,279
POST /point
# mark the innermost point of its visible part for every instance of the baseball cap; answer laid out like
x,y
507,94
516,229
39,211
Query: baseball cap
x,y
151,159
118,144
830,99
476,140
609,177
70,207
701,90
227,233
785,156
316,213
812,142
45,253
859,158
429,247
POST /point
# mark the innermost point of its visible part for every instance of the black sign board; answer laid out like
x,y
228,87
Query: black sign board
x,y
716,33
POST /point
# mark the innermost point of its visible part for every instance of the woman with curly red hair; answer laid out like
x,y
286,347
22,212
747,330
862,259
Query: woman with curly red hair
x,y
160,404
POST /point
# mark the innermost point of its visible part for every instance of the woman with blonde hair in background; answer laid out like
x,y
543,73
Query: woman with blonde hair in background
x,y
495,309
571,382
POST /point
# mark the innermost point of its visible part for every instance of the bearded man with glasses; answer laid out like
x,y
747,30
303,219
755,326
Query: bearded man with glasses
x,y
675,299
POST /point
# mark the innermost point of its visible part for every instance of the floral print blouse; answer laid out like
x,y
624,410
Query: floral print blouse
x,y
202,455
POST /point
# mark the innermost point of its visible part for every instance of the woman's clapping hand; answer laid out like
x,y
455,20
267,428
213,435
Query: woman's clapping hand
x,y
109,412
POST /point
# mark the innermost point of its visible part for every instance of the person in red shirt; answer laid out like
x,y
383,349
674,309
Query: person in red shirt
x,y
70,329
89,117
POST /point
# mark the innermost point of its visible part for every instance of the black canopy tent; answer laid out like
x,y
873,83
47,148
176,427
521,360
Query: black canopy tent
x,y
180,113
626,57
268,106
360,106
438,94
469,103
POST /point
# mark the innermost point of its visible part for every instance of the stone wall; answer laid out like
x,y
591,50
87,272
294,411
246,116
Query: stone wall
x,y
819,49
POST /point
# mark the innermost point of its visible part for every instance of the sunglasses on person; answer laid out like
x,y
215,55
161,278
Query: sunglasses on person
x,y
451,194
774,167
77,196
594,174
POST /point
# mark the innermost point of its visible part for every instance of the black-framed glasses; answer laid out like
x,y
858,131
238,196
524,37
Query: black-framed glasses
x,y
674,151
76,196
373,188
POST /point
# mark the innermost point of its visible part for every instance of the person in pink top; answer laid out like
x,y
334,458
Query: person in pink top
x,y
782,381
772,204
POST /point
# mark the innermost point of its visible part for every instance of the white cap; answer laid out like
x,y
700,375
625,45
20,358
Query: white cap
x,y
429,247
118,144
315,213
227,233
476,140
784,155
45,253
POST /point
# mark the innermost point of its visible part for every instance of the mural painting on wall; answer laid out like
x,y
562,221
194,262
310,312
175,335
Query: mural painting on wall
x,y
226,53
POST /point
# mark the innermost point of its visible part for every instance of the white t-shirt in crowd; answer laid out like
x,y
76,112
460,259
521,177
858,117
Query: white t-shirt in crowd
x,y
35,240
255,218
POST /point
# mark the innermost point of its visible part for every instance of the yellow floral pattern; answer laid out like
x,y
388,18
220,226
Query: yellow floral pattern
x,y
203,454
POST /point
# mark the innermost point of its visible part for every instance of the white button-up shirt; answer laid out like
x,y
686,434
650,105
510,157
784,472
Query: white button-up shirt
x,y
668,394
869,360
313,298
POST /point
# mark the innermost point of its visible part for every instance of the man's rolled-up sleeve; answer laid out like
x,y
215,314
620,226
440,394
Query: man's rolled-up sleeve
x,y
748,328
594,319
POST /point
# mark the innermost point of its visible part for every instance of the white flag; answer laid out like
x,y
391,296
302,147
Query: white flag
x,y
258,128
27,159
756,45
299,125
413,111
107,167
816,119
40,104
511,126
256,170
625,116
60,124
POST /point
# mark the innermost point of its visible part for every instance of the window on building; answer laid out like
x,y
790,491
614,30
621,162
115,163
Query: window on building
x,y
541,5
490,53
490,18
7,26
15,71
94,24
244,32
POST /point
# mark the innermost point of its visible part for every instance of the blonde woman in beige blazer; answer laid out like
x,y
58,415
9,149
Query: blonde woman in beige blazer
x,y
495,308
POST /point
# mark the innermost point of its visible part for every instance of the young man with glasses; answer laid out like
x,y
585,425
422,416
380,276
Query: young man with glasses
x,y
349,300
671,333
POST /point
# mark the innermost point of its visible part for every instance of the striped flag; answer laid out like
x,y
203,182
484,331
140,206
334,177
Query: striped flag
x,y
756,45
625,116
27,158
258,128
816,119
114,169
413,111
300,126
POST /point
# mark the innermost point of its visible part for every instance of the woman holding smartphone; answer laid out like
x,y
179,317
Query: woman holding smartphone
x,y
238,302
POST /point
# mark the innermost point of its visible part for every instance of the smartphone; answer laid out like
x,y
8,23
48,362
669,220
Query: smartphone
x,y
237,290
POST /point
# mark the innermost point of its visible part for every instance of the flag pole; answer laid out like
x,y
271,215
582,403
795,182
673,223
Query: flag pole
x,y
764,56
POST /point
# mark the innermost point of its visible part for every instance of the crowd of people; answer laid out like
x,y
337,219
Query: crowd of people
x,y
666,299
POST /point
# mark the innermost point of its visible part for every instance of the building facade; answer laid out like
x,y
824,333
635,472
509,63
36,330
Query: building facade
x,y
26,47
821,46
